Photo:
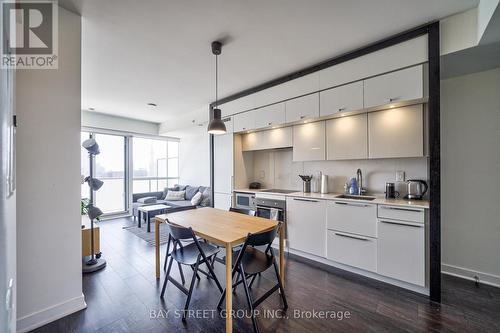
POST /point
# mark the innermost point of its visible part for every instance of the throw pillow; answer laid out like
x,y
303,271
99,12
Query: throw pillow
x,y
190,192
195,201
180,187
166,189
205,201
147,200
175,195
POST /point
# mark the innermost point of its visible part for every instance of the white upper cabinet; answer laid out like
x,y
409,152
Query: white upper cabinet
x,y
348,97
309,142
305,107
270,139
271,115
405,84
401,55
300,86
238,105
346,138
396,132
244,121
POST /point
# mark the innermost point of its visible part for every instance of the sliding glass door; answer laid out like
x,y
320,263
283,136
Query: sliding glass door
x,y
110,167
154,165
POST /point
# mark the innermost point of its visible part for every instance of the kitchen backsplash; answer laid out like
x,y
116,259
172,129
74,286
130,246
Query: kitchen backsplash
x,y
275,169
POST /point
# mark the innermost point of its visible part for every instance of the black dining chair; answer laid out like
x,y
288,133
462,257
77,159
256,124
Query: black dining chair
x,y
249,263
243,211
192,255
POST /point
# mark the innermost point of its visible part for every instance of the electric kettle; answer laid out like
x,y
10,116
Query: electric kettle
x,y
416,189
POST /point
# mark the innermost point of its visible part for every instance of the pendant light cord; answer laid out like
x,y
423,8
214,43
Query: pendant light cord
x,y
216,79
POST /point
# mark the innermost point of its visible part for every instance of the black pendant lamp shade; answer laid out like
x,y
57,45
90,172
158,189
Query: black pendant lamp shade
x,y
91,146
216,125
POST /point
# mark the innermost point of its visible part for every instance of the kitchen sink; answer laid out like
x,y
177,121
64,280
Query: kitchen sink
x,y
356,197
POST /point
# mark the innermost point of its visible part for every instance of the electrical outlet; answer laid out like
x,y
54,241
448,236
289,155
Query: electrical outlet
x,y
400,176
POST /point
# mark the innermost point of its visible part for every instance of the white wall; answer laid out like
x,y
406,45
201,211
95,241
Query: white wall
x,y
110,122
194,155
470,149
275,169
48,105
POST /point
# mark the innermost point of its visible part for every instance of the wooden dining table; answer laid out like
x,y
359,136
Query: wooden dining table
x,y
224,228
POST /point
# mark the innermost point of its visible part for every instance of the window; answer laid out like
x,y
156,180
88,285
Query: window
x,y
156,164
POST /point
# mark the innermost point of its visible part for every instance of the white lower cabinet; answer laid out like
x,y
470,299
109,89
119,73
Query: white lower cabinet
x,y
401,250
353,250
353,217
306,225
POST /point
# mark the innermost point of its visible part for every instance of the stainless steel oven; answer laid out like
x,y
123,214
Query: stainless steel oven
x,y
244,200
270,208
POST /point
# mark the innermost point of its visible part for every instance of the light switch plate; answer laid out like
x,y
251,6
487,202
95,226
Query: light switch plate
x,y
400,176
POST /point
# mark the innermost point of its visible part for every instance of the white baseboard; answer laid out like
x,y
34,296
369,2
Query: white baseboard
x,y
45,316
468,274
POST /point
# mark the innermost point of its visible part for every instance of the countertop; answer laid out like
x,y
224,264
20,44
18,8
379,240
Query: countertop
x,y
380,199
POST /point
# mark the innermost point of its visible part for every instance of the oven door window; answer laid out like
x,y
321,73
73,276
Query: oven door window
x,y
243,201
264,212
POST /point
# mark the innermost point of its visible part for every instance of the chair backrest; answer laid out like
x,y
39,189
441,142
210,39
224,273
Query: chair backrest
x,y
180,233
242,211
262,238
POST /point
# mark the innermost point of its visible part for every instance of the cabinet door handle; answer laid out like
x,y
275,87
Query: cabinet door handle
x,y
306,200
350,204
402,209
392,99
341,109
351,236
302,117
269,124
405,224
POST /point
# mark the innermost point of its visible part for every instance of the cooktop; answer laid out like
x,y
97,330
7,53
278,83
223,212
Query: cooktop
x,y
275,190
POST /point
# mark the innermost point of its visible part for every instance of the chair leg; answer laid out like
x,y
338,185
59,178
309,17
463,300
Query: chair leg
x,y
282,290
211,271
249,300
236,281
167,252
166,276
223,295
191,287
181,273
253,279
195,273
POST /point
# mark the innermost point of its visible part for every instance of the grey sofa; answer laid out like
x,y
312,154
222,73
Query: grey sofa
x,y
176,205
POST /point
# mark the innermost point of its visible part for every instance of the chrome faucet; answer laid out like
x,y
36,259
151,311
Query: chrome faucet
x,y
359,180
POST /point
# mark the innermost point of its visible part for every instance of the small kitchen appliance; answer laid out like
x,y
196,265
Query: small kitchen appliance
x,y
390,191
416,189
324,183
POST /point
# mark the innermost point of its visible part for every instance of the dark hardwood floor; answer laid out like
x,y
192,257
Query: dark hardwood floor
x,y
124,297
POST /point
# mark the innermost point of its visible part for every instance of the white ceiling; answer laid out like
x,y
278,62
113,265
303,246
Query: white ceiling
x,y
135,52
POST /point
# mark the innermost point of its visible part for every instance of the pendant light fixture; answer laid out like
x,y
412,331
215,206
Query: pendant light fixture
x,y
216,125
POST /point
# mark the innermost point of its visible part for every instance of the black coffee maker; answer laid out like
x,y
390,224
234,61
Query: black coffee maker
x,y
390,191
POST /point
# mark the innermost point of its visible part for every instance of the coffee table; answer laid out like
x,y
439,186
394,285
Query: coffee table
x,y
150,211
